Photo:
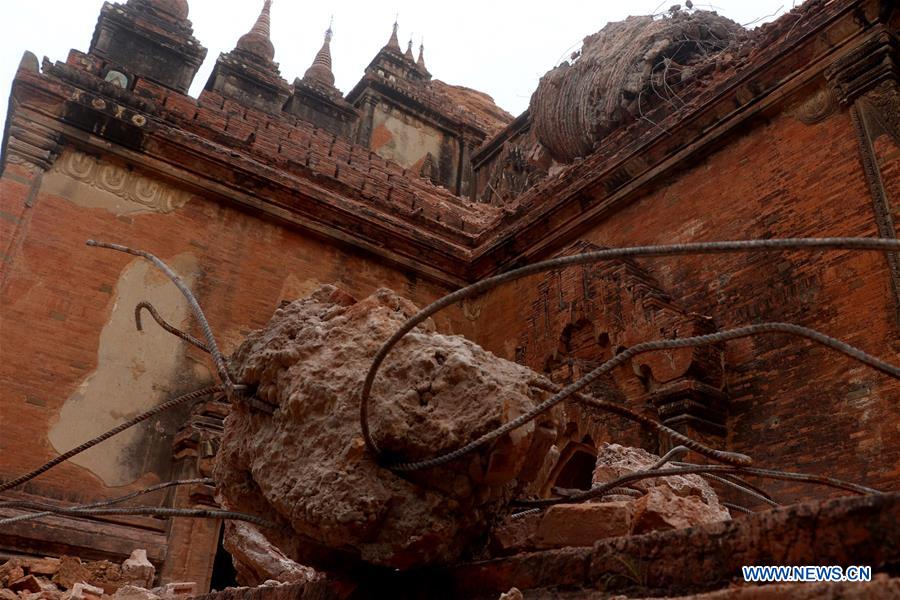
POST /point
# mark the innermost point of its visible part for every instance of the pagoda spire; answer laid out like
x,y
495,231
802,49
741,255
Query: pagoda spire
x,y
258,40
421,61
320,70
409,52
393,42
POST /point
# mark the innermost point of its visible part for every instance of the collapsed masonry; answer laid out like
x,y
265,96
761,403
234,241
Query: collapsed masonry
x,y
69,578
306,467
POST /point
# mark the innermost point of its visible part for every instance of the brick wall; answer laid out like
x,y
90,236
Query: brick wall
x,y
792,405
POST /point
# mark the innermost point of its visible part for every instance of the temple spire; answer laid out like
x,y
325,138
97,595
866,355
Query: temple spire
x,y
320,70
421,61
393,42
258,40
409,52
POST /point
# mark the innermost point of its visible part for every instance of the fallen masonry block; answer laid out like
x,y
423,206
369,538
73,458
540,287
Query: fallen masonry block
x,y
84,591
29,583
583,524
307,467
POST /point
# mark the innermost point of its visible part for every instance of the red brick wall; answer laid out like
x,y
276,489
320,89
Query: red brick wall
x,y
792,405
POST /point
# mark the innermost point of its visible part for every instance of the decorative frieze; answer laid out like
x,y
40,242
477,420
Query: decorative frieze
x,y
125,183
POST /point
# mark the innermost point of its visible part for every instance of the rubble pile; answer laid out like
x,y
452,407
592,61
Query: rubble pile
x,y
68,578
307,468
623,71
666,503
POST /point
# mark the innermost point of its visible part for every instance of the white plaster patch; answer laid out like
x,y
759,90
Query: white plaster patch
x,y
136,371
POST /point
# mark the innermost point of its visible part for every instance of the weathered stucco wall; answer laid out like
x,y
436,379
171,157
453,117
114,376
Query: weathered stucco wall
x,y
406,140
792,404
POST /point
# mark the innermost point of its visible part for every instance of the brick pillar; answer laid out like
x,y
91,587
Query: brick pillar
x,y
192,543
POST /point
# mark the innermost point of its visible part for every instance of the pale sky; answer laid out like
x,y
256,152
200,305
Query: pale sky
x,y
497,46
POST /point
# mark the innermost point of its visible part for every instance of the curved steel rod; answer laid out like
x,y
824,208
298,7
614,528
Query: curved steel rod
x,y
155,511
218,359
735,486
737,508
730,458
674,453
699,469
48,509
105,436
743,482
162,323
814,244
712,338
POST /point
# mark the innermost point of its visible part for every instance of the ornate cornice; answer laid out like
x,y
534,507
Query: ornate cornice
x,y
871,63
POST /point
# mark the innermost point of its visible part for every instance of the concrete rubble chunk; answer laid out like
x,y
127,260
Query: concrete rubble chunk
x,y
41,566
71,571
307,467
614,460
171,591
85,591
583,524
28,583
515,535
11,570
512,594
132,592
661,509
257,560
138,570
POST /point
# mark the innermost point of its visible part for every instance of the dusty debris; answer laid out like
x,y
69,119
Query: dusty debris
x,y
138,570
512,594
133,592
175,590
74,579
673,502
257,560
583,524
614,460
625,69
84,591
28,583
306,465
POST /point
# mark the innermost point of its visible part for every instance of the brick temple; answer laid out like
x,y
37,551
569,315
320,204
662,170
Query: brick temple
x,y
260,190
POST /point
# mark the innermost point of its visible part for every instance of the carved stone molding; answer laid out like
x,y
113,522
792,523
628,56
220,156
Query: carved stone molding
x,y
881,107
868,81
122,182
31,145
817,107
873,62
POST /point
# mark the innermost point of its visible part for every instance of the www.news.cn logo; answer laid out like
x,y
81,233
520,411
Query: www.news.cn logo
x,y
806,574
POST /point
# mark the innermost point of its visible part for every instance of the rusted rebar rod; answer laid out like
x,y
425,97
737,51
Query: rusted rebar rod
x,y
698,469
105,436
730,458
162,323
48,509
737,508
735,486
155,511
